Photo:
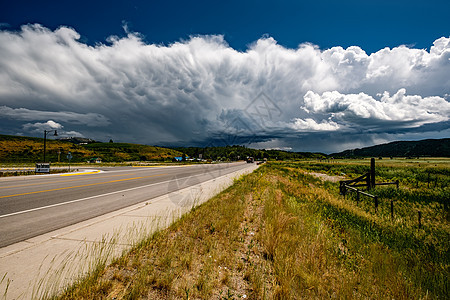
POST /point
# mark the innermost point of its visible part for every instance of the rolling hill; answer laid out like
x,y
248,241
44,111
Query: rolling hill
x,y
15,149
423,148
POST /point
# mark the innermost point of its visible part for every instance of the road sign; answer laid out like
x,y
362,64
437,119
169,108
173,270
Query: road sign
x,y
42,168
69,157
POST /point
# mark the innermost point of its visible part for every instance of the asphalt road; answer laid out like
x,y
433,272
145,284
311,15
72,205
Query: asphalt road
x,y
34,205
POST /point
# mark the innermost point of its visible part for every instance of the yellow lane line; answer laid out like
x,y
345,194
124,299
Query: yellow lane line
x,y
87,198
31,184
81,173
78,186
162,166
150,166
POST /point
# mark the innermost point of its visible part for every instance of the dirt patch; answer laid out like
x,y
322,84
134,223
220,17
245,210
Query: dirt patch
x,y
249,256
327,177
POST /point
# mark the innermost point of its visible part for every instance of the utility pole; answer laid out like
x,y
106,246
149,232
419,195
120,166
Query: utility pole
x,y
45,140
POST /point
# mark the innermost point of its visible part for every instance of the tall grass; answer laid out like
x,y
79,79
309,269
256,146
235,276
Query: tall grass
x,y
280,233
420,254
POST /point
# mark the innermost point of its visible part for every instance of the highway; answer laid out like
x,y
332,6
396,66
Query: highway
x,y
34,205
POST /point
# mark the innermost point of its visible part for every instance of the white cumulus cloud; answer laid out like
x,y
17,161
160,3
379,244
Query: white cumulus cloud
x,y
311,125
40,127
191,91
398,110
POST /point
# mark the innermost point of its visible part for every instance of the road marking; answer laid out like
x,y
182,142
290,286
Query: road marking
x,y
88,198
176,166
107,194
69,180
150,166
81,173
77,186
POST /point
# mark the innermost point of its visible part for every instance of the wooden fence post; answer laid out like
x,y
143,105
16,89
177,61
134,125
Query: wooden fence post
x,y
342,188
372,173
376,203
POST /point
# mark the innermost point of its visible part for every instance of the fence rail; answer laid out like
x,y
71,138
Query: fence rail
x,y
351,185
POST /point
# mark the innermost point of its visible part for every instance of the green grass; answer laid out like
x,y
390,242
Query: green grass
x,y
280,233
421,255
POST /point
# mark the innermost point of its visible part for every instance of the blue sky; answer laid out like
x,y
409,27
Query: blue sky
x,y
372,25
296,75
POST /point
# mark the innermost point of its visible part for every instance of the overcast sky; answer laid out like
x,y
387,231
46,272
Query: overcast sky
x,y
323,76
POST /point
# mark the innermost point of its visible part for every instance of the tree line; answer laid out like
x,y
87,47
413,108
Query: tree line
x,y
234,153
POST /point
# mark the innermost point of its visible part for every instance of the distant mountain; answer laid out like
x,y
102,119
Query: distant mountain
x,y
427,148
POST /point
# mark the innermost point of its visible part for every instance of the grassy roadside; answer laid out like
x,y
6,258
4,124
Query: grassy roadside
x,y
277,233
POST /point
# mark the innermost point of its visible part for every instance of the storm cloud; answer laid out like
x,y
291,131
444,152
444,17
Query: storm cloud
x,y
199,91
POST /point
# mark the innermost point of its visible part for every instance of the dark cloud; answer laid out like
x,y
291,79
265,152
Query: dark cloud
x,y
24,114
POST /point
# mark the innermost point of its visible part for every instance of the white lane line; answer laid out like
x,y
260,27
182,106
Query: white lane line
x,y
82,199
92,197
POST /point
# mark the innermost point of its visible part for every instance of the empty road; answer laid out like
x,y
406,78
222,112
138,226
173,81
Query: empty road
x,y
34,205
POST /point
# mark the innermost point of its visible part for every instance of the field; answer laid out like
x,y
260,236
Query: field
x,y
283,233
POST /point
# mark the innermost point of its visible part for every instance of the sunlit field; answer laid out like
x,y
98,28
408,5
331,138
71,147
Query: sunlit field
x,y
283,233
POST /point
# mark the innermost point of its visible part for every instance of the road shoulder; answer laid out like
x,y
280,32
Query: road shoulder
x,y
59,257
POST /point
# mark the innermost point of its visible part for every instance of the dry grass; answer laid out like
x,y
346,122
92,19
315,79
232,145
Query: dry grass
x,y
267,237
200,256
